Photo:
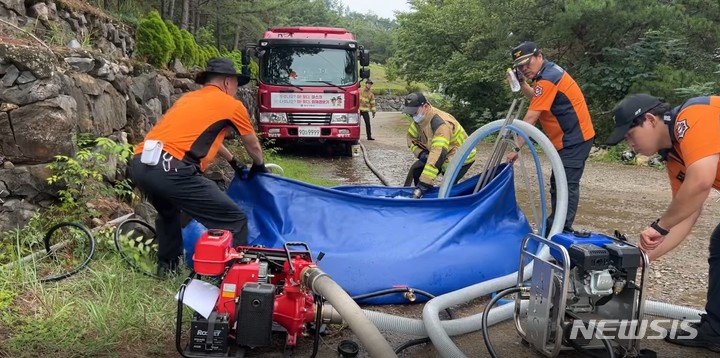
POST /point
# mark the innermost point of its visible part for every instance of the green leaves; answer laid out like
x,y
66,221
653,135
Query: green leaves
x,y
154,41
81,176
610,47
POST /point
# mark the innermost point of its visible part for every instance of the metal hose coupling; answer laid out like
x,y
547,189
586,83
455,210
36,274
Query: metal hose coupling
x,y
309,275
330,315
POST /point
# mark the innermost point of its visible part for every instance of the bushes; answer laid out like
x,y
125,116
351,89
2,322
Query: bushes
x,y
191,53
159,42
235,56
154,41
177,40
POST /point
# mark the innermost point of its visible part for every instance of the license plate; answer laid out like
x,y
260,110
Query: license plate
x,y
308,131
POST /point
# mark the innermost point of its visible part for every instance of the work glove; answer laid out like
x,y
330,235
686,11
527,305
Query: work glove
x,y
236,167
373,114
423,156
257,168
420,190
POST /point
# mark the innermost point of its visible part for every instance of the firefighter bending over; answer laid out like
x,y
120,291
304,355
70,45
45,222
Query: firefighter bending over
x,y
434,137
168,164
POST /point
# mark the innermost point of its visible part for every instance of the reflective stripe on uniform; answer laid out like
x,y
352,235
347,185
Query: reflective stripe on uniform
x,y
413,130
430,171
441,142
471,157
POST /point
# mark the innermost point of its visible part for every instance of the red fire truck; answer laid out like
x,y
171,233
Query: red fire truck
x,y
308,85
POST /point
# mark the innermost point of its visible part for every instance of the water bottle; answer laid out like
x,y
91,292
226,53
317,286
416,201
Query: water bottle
x,y
514,83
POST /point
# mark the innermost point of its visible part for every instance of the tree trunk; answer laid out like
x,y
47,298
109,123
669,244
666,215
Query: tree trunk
x,y
236,42
163,9
185,23
196,20
171,14
217,24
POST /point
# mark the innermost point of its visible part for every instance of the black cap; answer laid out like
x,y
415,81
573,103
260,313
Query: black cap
x,y
222,66
627,111
521,53
369,81
413,101
348,348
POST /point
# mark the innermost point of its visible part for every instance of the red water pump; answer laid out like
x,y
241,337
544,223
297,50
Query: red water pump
x,y
258,286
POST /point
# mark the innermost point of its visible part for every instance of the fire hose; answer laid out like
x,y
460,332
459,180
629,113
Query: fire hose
x,y
440,331
367,332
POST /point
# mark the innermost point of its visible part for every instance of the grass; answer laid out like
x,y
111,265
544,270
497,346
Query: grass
x,y
299,169
381,84
106,310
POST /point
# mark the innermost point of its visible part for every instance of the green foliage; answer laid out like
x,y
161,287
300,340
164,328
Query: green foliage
x,y
293,167
81,176
119,310
129,12
384,85
154,42
177,40
191,51
205,37
611,48
440,101
613,154
206,53
234,56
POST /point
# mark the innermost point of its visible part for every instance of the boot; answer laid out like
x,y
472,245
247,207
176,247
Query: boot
x,y
705,336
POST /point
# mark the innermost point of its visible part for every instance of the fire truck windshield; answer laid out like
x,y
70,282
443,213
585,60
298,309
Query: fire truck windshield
x,y
308,66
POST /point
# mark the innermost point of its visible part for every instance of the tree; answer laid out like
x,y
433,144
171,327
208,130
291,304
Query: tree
x,y
185,22
154,41
611,48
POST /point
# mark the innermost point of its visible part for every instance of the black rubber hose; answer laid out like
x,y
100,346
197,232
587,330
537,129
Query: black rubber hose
x,y
372,167
589,353
48,250
179,316
125,257
412,342
318,323
484,324
398,290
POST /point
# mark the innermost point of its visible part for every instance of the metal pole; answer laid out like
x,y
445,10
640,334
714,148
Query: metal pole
x,y
499,148
484,173
504,136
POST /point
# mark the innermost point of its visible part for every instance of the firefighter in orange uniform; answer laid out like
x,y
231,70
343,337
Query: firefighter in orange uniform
x,y
558,103
168,165
689,138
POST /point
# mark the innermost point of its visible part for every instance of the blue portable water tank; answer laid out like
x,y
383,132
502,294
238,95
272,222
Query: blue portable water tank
x,y
567,239
191,233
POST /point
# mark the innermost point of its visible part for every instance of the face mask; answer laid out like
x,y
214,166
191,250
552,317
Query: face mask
x,y
418,117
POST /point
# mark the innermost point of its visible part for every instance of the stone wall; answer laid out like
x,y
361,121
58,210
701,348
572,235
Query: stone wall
x,y
77,75
48,97
389,103
69,23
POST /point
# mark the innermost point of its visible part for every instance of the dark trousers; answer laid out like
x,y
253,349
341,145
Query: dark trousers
x,y
418,166
366,117
573,159
712,307
183,188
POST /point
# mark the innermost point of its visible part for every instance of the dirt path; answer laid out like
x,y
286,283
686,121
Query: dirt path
x,y
613,197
